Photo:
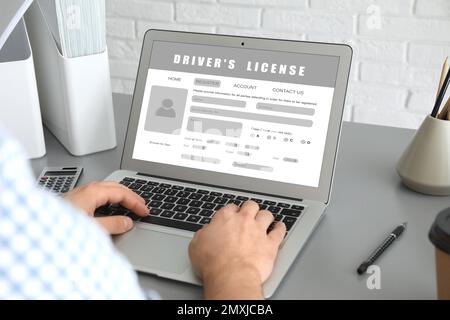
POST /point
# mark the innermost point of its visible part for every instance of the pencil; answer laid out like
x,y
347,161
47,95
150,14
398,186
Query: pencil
x,y
443,74
447,106
441,95
444,114
445,69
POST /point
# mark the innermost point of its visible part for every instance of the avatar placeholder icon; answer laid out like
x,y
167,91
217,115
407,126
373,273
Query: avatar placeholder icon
x,y
166,110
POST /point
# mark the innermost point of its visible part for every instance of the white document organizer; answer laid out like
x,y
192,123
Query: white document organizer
x,y
75,93
19,102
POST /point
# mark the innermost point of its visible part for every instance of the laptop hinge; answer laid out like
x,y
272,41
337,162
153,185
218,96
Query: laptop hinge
x,y
217,186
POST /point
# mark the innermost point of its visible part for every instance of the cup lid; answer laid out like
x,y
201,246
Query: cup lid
x,y
439,233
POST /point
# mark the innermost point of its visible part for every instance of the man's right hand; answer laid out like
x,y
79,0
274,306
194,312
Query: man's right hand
x,y
234,254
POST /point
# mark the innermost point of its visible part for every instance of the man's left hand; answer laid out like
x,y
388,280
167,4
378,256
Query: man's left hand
x,y
89,197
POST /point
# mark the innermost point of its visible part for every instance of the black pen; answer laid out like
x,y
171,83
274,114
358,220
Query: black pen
x,y
381,248
441,95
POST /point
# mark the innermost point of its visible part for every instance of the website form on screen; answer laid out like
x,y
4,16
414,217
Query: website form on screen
x,y
255,113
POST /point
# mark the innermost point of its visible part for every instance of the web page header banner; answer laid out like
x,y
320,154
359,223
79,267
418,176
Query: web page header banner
x,y
287,67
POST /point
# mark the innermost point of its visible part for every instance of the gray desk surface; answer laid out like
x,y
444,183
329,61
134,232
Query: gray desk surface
x,y
368,200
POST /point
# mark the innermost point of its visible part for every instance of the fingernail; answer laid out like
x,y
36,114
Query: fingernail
x,y
127,223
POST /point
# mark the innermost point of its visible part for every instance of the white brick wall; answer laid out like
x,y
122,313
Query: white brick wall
x,y
399,45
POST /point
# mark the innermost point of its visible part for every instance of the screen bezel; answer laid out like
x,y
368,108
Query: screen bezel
x,y
263,186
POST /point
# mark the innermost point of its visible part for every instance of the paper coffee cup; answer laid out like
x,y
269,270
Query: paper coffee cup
x,y
440,236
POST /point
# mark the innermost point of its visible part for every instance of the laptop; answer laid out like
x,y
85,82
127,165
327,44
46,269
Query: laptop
x,y
221,119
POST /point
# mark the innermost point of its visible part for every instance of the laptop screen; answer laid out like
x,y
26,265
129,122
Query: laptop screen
x,y
247,112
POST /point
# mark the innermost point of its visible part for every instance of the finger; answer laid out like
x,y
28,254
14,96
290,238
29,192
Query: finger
x,y
122,195
110,183
191,247
197,233
249,208
231,207
264,218
278,233
132,201
118,185
116,224
226,212
192,250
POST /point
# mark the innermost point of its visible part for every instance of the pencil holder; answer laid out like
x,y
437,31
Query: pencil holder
x,y
425,164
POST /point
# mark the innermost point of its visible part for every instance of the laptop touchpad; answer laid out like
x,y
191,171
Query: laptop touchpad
x,y
155,250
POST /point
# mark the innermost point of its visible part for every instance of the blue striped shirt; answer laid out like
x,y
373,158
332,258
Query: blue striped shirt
x,y
49,249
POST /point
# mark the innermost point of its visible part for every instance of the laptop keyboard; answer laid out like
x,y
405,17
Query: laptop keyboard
x,y
189,208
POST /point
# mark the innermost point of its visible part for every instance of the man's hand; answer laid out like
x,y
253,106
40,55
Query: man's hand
x,y
234,255
89,197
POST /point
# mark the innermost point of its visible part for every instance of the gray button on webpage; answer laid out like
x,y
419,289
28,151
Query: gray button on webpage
x,y
252,166
219,101
207,82
286,109
200,158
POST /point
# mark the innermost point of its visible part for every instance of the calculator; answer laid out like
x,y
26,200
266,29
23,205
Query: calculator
x,y
59,180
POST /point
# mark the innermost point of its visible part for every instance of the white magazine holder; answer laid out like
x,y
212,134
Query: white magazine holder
x,y
75,93
19,101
